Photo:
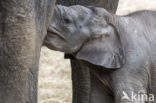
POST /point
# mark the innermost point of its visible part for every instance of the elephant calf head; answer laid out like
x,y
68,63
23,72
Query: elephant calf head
x,y
85,33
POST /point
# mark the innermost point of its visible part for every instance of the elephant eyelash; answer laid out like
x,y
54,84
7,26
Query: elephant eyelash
x,y
67,21
100,36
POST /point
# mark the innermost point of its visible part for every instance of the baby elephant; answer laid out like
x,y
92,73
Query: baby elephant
x,y
120,51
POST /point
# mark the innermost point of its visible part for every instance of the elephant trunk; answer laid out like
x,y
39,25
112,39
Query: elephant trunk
x,y
81,82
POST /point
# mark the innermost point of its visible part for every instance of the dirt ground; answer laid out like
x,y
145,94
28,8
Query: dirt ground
x,y
55,75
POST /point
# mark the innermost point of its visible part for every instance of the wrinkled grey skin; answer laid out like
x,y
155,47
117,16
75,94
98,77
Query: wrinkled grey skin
x,y
119,51
81,78
23,26
110,5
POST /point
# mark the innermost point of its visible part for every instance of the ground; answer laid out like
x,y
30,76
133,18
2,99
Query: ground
x,y
55,75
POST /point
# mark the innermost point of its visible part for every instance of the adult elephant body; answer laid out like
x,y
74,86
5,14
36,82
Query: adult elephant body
x,y
23,25
110,5
81,78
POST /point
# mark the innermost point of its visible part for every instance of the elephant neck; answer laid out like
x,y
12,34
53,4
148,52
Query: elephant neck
x,y
121,24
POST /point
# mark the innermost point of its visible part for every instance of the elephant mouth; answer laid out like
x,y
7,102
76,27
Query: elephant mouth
x,y
55,32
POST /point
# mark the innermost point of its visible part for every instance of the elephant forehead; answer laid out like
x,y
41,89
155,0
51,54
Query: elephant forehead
x,y
62,12
75,12
81,11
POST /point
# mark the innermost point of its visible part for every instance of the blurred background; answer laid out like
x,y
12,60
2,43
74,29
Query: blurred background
x,y
55,72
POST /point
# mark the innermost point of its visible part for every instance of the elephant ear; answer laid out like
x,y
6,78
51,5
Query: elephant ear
x,y
103,49
99,53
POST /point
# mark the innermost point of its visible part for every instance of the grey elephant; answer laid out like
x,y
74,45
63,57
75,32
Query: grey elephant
x,y
118,50
23,26
81,90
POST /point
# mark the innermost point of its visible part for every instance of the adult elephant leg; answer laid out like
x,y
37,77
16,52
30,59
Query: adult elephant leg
x,y
81,82
21,32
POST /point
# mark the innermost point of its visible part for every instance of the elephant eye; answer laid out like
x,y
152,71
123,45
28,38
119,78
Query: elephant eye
x,y
67,21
